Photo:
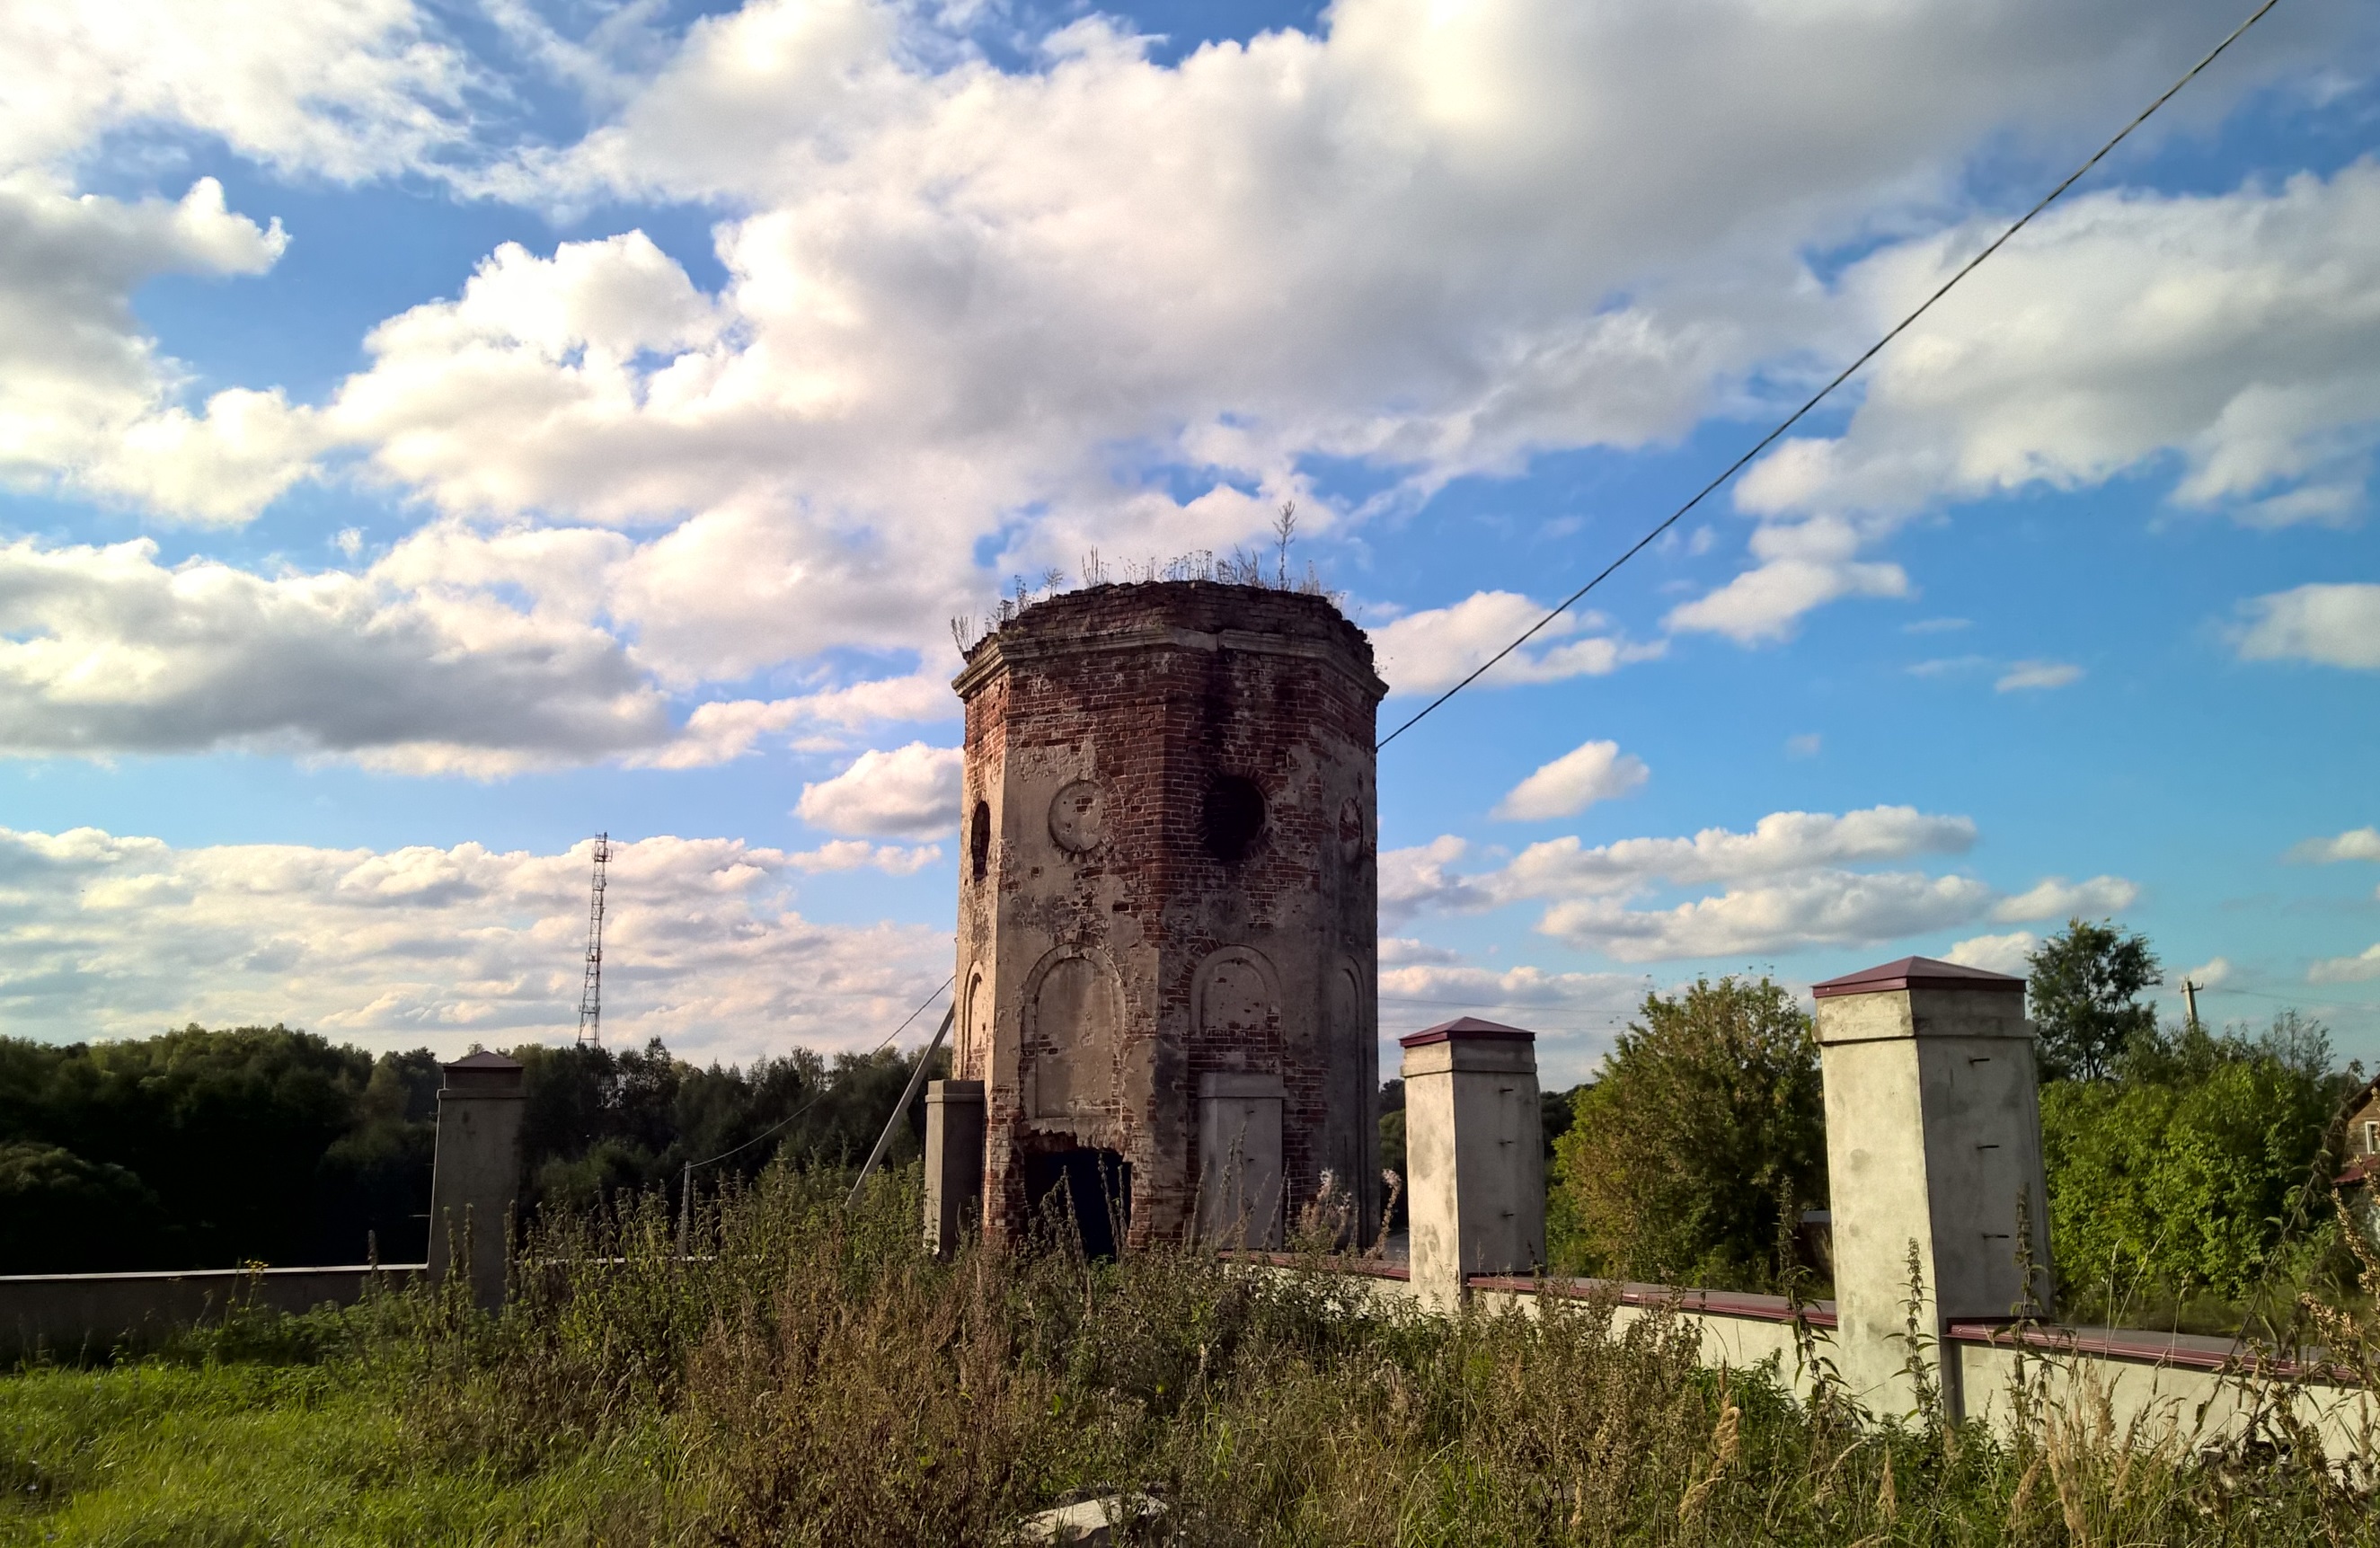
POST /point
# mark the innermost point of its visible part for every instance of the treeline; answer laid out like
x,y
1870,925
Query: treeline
x,y
2189,1170
199,1149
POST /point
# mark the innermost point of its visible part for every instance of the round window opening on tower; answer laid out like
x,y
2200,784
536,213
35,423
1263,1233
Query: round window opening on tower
x,y
979,840
1235,817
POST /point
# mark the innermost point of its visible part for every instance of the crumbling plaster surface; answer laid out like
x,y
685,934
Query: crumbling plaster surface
x,y
1933,1132
1109,952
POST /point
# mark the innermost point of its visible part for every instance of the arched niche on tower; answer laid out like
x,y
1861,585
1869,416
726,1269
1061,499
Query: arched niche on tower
x,y
1235,995
1350,1027
1074,1018
974,1027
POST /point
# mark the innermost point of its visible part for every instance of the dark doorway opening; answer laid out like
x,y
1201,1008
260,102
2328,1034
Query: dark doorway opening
x,y
1088,1190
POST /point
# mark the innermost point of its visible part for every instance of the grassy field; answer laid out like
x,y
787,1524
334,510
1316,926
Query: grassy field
x,y
805,1378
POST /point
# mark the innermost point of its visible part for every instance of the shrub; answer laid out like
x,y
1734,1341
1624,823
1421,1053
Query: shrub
x,y
2200,1167
1704,1134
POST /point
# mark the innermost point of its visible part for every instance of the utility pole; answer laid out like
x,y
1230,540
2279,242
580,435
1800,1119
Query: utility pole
x,y
686,1214
590,993
2190,1000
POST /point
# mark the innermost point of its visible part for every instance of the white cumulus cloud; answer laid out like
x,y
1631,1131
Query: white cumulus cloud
x,y
105,650
1803,565
725,729
1821,907
348,91
1778,844
1575,1015
1405,951
954,294
975,321
2238,334
2361,968
114,936
2332,626
470,657
2003,953
86,402
1786,885
2239,330
2355,843
853,855
2056,897
1436,648
1415,879
1591,772
912,790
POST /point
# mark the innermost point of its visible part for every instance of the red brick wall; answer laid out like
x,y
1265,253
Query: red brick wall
x,y
1150,693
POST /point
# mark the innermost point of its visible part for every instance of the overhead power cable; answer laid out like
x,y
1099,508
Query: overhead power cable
x,y
823,1092
1840,377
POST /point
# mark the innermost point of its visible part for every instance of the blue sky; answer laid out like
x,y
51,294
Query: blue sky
x,y
429,436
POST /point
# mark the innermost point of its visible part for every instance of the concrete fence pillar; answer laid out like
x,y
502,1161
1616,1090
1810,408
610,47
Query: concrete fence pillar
x,y
1474,1156
1239,1159
1933,1147
475,1180
954,1163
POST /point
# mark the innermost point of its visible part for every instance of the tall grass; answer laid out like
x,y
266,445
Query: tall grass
x,y
803,1376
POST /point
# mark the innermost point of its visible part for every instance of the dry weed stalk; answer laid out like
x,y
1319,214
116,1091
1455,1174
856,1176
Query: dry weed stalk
x,y
1726,1438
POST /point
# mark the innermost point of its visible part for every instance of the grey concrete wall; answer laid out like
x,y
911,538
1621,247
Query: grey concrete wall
x,y
1474,1159
75,1314
2179,1395
954,1163
1239,1144
1737,1332
2162,1387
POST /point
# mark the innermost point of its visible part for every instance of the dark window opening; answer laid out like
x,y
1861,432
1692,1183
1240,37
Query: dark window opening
x,y
1234,818
979,840
1087,1192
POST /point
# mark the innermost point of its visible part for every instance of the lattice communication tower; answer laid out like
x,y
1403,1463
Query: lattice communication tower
x,y
590,994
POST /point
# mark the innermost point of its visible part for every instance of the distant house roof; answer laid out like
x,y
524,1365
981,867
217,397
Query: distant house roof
x,y
1916,973
1462,1028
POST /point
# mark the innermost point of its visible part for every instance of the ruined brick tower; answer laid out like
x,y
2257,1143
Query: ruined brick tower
x,y
1167,925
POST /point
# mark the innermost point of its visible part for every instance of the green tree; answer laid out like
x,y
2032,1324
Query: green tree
x,y
202,1149
56,1208
2086,987
2199,1166
598,1121
1704,1133
208,1148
